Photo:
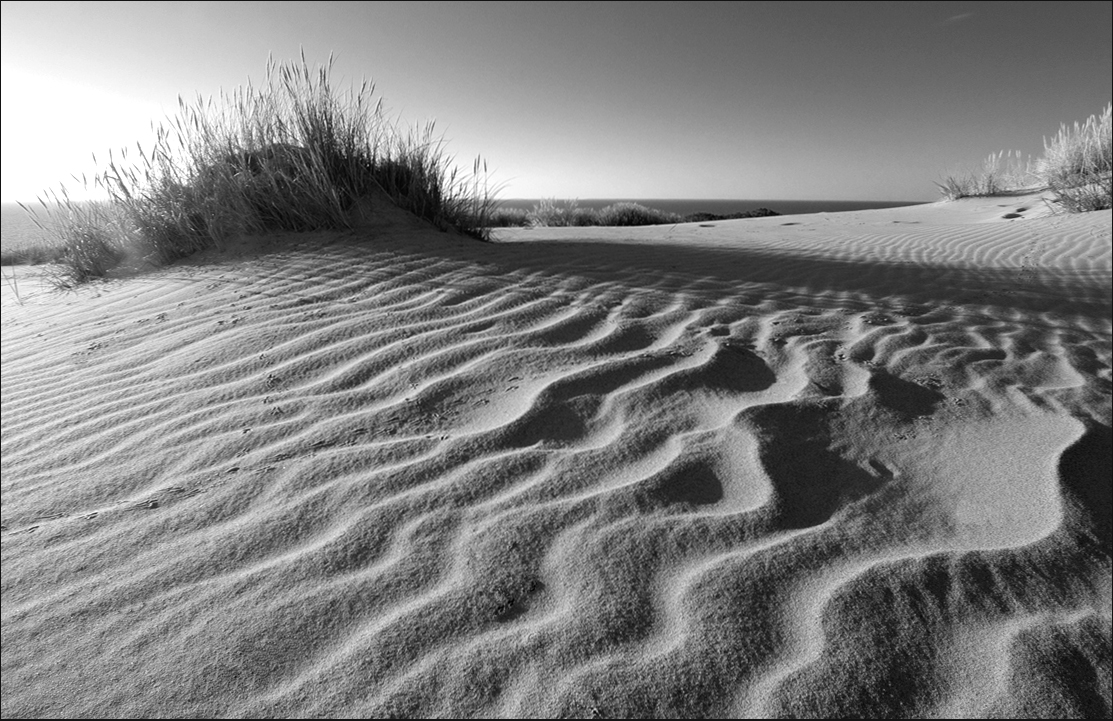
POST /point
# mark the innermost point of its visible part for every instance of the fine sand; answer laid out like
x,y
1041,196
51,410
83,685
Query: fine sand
x,y
819,465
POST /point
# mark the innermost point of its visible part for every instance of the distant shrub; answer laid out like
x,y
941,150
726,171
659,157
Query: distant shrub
x,y
1077,164
583,217
550,213
634,214
508,218
567,213
292,155
32,254
705,217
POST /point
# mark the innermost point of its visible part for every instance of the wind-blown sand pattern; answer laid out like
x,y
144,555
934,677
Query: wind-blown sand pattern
x,y
822,465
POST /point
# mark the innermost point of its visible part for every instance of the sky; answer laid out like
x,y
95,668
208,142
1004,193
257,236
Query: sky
x,y
754,100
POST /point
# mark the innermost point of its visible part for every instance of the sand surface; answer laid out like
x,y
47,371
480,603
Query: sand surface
x,y
819,465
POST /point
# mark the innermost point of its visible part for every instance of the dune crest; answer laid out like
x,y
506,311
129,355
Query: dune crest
x,y
846,464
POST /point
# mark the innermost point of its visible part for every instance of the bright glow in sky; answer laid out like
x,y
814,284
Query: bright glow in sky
x,y
751,100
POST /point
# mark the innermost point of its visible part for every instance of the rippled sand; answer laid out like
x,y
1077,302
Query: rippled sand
x,y
819,465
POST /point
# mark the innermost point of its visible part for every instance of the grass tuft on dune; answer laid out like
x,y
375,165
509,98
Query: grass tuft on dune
x,y
1000,173
1076,165
294,154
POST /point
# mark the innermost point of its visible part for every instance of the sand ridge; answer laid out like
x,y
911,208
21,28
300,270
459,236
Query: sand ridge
x,y
819,465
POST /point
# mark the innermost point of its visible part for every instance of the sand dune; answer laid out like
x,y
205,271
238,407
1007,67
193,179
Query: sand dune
x,y
820,465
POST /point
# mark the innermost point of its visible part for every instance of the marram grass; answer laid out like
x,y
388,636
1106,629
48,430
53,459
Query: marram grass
x,y
292,155
1000,173
1076,166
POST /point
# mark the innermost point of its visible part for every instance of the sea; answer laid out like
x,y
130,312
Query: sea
x,y
17,230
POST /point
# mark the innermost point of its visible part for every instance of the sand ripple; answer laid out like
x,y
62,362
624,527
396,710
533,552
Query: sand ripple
x,y
751,470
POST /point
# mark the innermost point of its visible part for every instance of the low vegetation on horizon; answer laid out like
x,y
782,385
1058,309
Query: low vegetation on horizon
x,y
1076,166
553,213
292,155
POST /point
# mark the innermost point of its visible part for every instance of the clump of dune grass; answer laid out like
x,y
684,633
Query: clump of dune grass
x,y
291,155
90,238
1077,164
551,213
634,214
509,218
1001,172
